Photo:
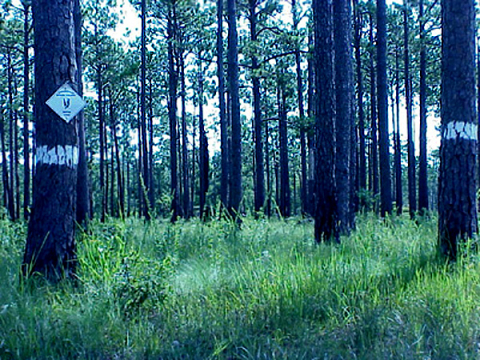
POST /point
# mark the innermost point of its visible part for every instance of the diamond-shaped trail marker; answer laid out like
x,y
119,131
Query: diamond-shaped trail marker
x,y
66,102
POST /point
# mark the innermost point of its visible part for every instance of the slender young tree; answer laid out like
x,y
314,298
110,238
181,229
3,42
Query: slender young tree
x,y
457,208
385,177
50,248
326,203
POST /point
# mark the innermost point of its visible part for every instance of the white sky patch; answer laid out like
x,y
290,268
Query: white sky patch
x,y
58,155
460,130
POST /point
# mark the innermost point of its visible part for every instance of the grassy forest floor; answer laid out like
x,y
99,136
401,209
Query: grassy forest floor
x,y
207,291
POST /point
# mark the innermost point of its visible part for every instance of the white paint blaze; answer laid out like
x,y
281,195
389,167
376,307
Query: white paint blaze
x,y
58,155
460,130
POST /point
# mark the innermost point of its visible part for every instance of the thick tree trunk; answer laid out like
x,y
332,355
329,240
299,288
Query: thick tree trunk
x,y
385,176
326,202
50,248
422,173
344,114
233,89
457,208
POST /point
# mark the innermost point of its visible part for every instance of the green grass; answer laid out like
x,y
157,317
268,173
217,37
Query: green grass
x,y
208,291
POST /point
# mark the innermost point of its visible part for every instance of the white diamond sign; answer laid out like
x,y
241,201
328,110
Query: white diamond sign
x,y
66,103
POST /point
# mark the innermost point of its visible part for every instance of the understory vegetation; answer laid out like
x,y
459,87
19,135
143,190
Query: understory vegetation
x,y
197,290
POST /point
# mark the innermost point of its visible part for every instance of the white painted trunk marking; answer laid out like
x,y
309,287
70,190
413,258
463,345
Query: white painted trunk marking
x,y
58,155
460,130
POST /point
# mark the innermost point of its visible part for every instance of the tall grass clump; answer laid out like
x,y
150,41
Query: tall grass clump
x,y
195,290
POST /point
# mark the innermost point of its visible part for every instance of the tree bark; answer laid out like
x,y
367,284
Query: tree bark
x,y
374,184
422,173
259,188
26,111
204,158
362,155
457,208
50,248
398,147
224,181
344,111
412,189
172,114
326,203
143,113
385,176
233,89
301,112
83,191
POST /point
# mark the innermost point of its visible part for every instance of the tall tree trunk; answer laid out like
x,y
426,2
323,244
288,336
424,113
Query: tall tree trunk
x,y
344,110
301,112
458,152
326,203
50,248
362,155
26,111
204,160
259,188
374,184
385,176
310,135
284,178
83,191
5,176
422,173
233,89
11,124
185,167
412,189
143,112
398,147
151,164
172,114
224,181
101,121
268,171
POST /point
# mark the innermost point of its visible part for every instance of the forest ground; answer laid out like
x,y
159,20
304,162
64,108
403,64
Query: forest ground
x,y
208,291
